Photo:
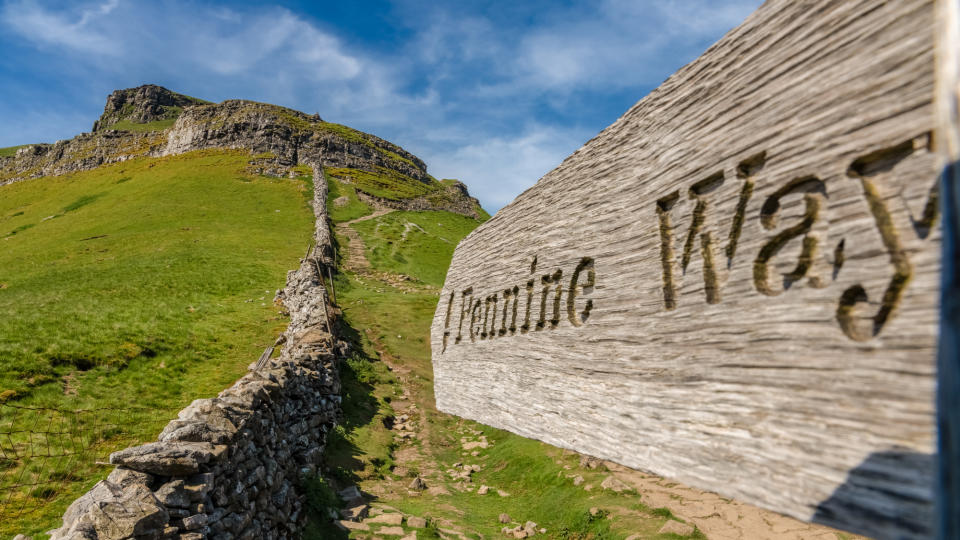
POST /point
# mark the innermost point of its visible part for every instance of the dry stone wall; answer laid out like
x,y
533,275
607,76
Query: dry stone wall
x,y
735,284
230,467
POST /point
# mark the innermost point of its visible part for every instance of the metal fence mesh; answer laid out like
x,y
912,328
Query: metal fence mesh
x,y
46,452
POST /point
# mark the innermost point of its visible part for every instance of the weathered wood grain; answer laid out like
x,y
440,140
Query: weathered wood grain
x,y
734,285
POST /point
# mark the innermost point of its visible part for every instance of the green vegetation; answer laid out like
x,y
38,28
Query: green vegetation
x,y
417,244
156,125
390,372
11,150
343,203
301,123
387,183
138,286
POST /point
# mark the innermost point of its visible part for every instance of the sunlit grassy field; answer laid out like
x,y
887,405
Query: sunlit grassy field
x,y
389,324
141,285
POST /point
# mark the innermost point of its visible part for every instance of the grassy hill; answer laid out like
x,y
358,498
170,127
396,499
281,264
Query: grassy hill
x,y
131,289
135,287
388,307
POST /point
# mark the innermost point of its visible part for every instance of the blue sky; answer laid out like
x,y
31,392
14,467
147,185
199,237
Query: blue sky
x,y
495,93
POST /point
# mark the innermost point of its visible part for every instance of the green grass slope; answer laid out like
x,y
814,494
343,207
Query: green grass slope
x,y
142,284
390,372
11,151
417,244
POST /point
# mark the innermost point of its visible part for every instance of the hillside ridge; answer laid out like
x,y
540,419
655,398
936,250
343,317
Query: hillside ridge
x,y
152,121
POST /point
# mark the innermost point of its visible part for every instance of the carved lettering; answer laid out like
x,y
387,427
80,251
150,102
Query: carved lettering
x,y
664,206
698,193
446,323
490,304
813,191
464,310
548,281
746,170
483,312
507,295
577,319
864,169
473,320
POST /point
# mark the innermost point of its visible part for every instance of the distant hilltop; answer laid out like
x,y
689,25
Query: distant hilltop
x,y
152,121
143,105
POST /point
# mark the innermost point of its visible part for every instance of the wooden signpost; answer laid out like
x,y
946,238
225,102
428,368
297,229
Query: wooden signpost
x,y
736,284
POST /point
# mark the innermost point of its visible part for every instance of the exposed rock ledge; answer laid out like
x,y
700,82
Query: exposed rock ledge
x,y
287,136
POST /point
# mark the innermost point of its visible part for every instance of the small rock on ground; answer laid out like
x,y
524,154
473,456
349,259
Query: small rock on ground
x,y
418,484
483,490
391,531
504,518
350,493
676,527
352,526
386,519
613,484
416,522
355,513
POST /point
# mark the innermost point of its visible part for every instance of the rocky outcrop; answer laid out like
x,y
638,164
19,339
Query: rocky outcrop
x,y
735,285
143,104
291,136
451,197
283,136
232,466
81,153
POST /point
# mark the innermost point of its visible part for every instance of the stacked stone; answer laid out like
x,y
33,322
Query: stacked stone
x,y
321,235
230,467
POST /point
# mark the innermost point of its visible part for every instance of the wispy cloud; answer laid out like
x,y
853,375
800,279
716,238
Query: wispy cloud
x,y
494,96
510,163
74,30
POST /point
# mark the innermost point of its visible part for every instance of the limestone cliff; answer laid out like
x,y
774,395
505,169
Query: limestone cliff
x,y
142,105
151,121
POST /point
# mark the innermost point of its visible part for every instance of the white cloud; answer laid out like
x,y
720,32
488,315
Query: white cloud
x,y
44,26
506,166
625,43
491,100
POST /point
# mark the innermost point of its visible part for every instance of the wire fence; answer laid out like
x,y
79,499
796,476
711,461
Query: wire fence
x,y
49,454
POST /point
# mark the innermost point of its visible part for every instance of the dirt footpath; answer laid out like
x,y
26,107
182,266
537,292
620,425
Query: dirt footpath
x,y
717,517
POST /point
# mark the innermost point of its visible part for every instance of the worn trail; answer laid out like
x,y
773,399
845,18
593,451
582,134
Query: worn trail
x,y
356,261
423,439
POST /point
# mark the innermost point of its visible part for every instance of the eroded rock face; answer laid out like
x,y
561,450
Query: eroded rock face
x,y
292,136
283,137
735,284
452,198
143,104
81,153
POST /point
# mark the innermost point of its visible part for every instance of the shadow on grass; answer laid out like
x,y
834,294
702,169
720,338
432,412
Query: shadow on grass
x,y
343,461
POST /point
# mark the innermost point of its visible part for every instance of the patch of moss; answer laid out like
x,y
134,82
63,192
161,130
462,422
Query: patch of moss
x,y
385,183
